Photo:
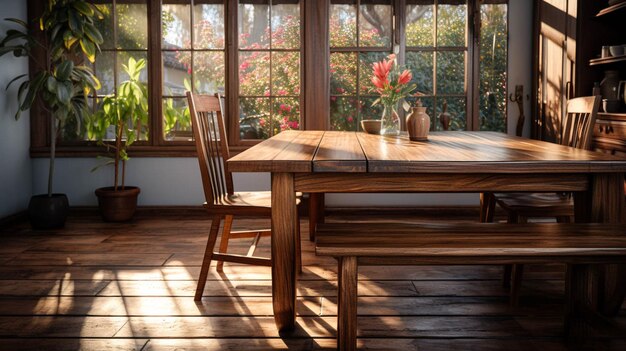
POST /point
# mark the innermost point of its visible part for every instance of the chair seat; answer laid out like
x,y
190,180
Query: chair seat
x,y
536,204
250,199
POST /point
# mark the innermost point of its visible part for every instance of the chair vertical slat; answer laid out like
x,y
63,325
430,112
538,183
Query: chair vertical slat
x,y
580,119
211,145
219,152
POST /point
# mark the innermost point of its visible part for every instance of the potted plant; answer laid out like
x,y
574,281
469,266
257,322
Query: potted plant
x,y
60,81
124,112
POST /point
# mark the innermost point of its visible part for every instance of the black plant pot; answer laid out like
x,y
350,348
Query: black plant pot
x,y
48,212
117,206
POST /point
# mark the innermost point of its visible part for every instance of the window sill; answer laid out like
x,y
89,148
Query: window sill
x,y
136,151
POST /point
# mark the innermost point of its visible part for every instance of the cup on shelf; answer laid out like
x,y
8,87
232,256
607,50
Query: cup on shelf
x,y
605,52
616,50
610,105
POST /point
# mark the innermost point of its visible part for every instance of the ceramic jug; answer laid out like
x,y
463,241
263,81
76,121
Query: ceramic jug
x,y
621,90
418,124
609,85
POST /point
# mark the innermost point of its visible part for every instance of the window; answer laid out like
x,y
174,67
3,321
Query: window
x,y
360,34
436,53
269,68
252,52
192,57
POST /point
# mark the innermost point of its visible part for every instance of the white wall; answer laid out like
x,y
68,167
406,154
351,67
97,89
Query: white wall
x,y
176,181
15,164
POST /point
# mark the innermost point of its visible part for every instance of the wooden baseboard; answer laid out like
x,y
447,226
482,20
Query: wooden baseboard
x,y
7,221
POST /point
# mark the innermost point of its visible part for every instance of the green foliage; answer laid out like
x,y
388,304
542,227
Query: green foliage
x,y
61,81
126,112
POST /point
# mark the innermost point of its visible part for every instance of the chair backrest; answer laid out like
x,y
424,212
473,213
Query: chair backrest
x,y
580,119
211,145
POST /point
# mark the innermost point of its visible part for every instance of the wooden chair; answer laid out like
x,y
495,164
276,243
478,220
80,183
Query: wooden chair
x,y
577,132
221,200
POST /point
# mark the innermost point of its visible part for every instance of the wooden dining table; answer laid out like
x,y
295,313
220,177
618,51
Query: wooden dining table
x,y
449,162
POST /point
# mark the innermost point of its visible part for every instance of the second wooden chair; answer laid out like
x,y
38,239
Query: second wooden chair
x,y
576,131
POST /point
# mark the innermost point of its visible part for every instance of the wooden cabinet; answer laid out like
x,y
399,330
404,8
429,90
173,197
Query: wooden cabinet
x,y
568,39
610,133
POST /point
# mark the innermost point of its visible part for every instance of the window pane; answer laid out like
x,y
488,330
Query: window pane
x,y
451,21
493,67
456,109
421,65
451,72
208,26
176,26
343,113
375,25
286,112
366,60
367,111
176,119
123,64
342,25
105,26
254,118
176,74
420,25
254,73
254,26
286,26
342,73
132,26
285,73
103,68
209,73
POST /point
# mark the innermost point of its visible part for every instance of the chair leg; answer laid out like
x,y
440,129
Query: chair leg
x,y
487,207
517,271
208,254
516,284
298,246
228,225
347,303
316,212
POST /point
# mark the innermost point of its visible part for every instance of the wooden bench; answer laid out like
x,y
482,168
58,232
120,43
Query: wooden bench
x,y
578,245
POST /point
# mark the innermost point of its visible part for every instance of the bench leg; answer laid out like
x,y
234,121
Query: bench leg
x,y
346,304
581,296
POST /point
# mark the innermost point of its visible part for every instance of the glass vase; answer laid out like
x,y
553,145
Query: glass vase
x,y
390,121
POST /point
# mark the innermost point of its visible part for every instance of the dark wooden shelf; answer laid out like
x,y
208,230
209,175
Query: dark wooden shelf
x,y
612,8
607,60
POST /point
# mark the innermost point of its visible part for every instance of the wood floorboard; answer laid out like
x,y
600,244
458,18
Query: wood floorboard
x,y
102,286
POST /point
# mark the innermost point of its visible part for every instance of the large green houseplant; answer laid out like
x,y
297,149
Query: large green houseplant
x,y
125,111
66,35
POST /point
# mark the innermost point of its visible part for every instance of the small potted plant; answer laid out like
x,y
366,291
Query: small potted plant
x,y
67,35
123,112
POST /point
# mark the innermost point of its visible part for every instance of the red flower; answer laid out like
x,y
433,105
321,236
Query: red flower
x,y
378,83
404,77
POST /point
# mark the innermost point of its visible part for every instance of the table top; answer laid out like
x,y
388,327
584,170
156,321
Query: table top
x,y
444,152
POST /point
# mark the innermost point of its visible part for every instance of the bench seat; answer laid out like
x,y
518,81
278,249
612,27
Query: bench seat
x,y
579,245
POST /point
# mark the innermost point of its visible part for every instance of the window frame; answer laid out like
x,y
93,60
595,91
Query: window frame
x,y
314,78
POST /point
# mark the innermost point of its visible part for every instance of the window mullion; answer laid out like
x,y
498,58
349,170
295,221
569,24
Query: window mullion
x,y
155,75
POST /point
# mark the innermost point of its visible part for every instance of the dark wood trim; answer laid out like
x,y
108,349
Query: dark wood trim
x,y
15,218
38,118
155,74
316,112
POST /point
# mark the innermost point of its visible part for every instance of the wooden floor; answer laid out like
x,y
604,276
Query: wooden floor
x,y
96,286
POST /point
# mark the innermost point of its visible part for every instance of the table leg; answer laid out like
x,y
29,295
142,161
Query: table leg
x,y
316,212
609,206
284,217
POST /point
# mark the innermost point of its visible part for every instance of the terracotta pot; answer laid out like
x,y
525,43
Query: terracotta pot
x,y
418,124
48,212
117,206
